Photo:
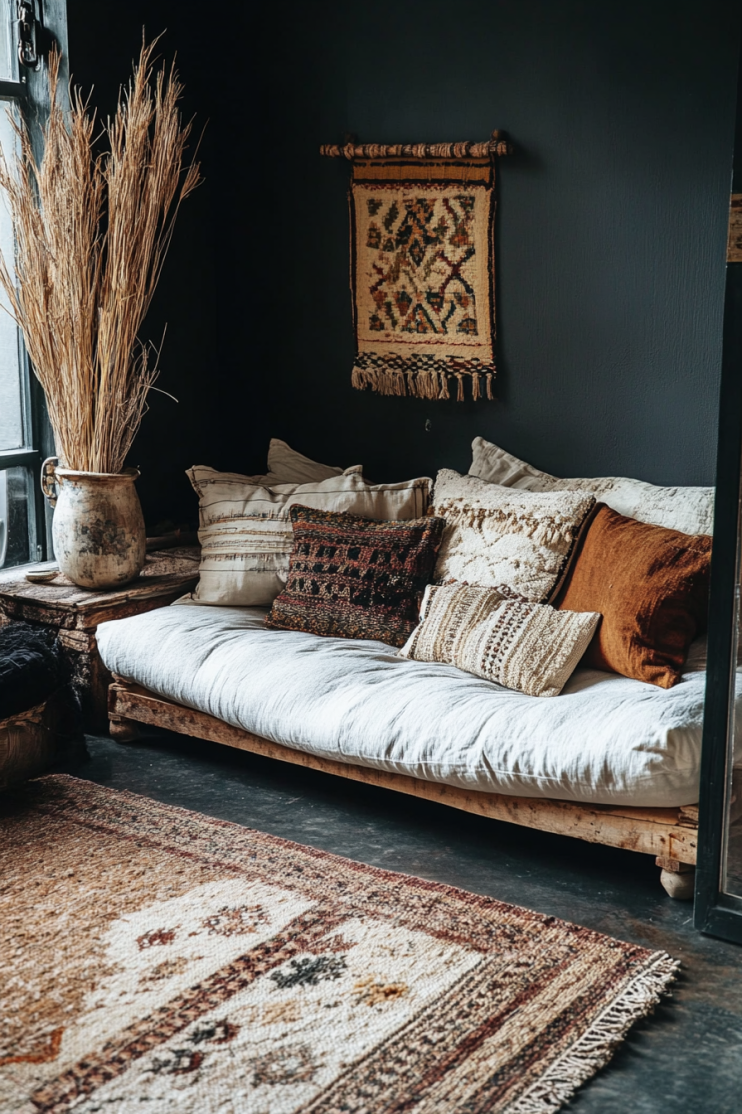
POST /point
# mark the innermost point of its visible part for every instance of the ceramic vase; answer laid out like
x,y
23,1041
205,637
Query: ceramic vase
x,y
98,527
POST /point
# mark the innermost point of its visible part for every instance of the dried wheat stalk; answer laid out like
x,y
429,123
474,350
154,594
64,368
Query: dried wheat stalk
x,y
92,232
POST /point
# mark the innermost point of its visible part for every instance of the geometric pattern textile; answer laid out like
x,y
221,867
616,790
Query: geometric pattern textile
x,y
351,577
530,647
166,961
423,275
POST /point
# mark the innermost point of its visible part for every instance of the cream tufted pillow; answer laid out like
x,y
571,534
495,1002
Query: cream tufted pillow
x,y
519,541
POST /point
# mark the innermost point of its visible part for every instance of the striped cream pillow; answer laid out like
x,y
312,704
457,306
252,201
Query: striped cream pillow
x,y
245,528
530,647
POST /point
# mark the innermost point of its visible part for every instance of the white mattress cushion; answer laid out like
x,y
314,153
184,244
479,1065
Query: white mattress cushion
x,y
605,739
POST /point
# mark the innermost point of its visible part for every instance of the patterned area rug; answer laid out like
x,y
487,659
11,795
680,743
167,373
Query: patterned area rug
x,y
155,959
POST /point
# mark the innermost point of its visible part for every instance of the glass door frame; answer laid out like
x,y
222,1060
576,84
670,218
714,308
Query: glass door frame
x,y
716,911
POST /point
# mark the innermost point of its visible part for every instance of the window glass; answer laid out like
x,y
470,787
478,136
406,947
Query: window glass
x,y
731,872
15,500
733,880
8,60
11,379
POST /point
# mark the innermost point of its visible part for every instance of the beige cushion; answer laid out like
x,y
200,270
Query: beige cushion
x,y
688,509
525,646
245,529
499,538
286,466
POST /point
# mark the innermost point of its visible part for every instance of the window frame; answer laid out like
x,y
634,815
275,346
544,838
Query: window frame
x,y
30,94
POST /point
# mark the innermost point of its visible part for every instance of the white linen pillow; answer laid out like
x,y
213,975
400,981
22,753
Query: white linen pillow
x,y
688,509
496,537
245,529
286,466
530,647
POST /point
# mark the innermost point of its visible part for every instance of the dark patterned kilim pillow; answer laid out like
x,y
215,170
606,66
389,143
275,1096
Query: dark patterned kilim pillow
x,y
352,577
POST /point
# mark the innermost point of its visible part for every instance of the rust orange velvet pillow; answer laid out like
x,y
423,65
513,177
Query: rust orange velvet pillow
x,y
651,587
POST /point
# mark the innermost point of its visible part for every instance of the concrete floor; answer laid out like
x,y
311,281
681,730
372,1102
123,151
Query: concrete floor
x,y
686,1059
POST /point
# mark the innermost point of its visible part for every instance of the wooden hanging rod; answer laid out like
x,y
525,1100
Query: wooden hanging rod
x,y
497,144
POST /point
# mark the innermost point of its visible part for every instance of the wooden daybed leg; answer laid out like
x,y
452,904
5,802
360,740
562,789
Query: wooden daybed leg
x,y
124,730
677,879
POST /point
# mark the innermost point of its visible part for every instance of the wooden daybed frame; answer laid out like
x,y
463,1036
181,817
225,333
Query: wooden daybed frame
x,y
670,834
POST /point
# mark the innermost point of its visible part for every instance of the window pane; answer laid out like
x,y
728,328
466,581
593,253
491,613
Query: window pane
x,y
734,838
8,60
15,499
731,881
11,389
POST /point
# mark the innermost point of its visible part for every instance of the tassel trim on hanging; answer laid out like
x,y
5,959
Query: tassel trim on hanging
x,y
423,377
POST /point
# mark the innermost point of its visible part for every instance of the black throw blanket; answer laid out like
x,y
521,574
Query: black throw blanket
x,y
31,667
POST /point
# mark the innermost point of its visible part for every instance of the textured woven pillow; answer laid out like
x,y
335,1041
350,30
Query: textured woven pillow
x,y
351,577
499,538
688,509
530,647
245,529
651,587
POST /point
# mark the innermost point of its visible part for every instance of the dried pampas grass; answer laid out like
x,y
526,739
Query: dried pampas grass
x,y
92,231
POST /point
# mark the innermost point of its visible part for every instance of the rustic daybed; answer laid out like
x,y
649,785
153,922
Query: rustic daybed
x,y
611,760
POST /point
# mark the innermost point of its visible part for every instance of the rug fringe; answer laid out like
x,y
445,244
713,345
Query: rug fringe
x,y
597,1045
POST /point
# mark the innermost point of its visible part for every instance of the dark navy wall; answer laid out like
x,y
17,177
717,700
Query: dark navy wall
x,y
611,229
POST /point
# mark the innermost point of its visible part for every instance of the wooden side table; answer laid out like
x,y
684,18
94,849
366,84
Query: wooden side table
x,y
76,612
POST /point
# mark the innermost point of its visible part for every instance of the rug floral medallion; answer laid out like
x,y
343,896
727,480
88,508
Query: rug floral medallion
x,y
156,959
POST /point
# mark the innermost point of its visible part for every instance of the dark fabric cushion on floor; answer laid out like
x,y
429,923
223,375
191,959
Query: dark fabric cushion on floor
x,y
353,577
30,667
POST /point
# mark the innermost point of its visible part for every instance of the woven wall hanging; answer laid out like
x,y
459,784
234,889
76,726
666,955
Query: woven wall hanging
x,y
422,266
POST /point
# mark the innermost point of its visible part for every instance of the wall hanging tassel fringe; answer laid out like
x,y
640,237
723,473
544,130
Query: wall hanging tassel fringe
x,y
460,387
422,265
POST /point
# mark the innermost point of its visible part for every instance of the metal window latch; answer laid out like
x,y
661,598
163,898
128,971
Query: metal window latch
x,y
28,52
